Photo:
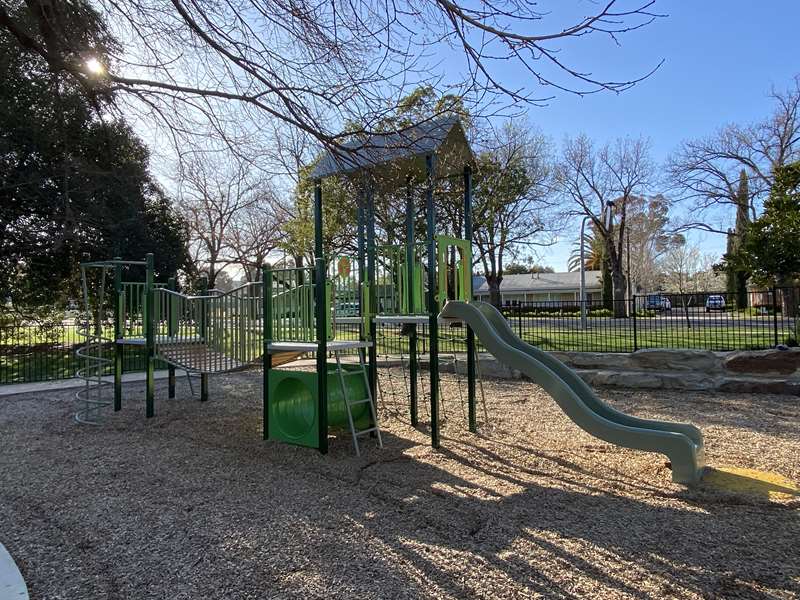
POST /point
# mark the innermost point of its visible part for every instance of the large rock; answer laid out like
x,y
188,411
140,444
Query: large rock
x,y
661,359
627,379
759,386
594,360
784,362
650,380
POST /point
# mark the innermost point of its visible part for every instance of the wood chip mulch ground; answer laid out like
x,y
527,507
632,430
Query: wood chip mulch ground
x,y
193,505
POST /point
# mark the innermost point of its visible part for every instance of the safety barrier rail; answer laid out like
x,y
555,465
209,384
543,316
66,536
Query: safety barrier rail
x,y
292,304
210,332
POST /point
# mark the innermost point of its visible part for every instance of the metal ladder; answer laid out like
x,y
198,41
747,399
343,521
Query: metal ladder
x,y
349,403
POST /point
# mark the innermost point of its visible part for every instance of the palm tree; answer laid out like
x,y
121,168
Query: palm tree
x,y
593,258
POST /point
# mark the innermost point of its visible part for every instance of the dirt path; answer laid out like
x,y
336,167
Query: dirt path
x,y
192,504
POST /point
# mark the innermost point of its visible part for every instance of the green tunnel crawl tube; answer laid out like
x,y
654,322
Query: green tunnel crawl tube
x,y
293,404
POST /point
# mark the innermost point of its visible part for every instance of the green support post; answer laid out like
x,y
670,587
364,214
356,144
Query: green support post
x,y
321,322
203,335
364,289
118,347
372,363
150,345
172,321
433,308
471,414
412,307
266,293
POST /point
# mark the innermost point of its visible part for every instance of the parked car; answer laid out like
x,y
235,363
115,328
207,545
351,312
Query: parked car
x,y
715,303
658,303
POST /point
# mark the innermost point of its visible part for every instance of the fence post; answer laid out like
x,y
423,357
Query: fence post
x,y
149,334
266,335
118,333
775,313
519,320
172,321
633,312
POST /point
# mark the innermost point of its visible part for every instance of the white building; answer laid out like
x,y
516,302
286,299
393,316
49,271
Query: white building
x,y
541,287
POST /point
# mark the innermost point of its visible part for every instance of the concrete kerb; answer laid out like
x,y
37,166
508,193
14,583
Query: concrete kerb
x,y
13,389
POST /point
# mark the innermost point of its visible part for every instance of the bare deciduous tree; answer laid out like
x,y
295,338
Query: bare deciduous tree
x,y
256,231
511,206
213,195
706,171
312,66
594,181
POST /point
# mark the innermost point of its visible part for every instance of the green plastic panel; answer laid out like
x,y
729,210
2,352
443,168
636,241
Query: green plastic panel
x,y
463,269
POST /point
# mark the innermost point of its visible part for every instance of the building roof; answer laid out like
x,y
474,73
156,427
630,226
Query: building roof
x,y
402,150
539,282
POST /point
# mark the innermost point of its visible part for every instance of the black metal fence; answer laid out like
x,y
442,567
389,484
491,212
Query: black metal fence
x,y
45,351
707,321
703,321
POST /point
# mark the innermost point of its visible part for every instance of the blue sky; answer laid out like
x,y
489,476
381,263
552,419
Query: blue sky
x,y
721,58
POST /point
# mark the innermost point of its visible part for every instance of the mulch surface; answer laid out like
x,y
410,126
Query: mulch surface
x,y
193,504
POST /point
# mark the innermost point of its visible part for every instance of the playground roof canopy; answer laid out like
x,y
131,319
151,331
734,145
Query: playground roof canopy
x,y
402,153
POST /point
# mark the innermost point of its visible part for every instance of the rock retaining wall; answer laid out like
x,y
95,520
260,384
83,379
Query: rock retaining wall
x,y
766,371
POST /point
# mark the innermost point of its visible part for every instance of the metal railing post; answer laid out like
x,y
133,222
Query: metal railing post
x,y
266,332
118,332
203,335
149,325
172,321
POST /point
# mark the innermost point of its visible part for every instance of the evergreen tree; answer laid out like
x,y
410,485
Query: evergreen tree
x,y
742,225
731,283
74,182
771,249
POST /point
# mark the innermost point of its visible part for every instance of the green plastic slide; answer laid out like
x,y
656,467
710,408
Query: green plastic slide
x,y
681,443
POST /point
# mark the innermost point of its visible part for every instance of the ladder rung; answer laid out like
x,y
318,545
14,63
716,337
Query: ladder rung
x,y
360,401
364,431
351,373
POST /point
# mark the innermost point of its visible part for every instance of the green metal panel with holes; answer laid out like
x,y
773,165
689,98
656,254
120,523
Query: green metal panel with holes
x,y
293,404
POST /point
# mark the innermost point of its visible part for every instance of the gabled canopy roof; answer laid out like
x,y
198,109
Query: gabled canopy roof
x,y
402,153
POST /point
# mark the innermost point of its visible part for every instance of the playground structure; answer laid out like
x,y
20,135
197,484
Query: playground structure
x,y
298,310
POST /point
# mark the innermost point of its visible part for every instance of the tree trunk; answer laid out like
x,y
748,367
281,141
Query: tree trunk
x,y
788,295
618,281
741,289
685,304
494,291
607,290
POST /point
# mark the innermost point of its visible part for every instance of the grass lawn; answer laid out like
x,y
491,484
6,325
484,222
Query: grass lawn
x,y
36,354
